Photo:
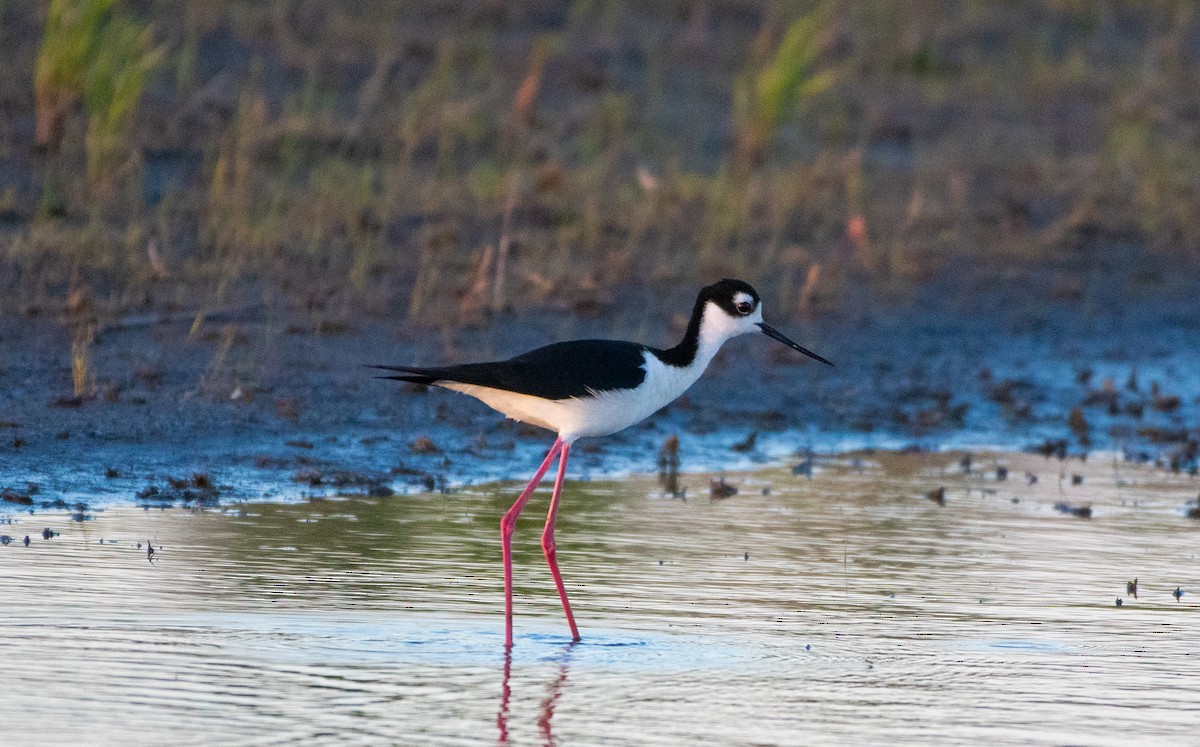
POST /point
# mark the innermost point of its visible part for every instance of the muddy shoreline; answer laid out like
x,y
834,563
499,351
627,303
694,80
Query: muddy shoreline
x,y
260,403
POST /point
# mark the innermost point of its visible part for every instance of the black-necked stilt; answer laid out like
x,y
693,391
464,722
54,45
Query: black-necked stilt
x,y
595,388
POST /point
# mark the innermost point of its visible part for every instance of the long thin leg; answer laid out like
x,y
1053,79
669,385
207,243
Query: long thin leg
x,y
507,524
548,546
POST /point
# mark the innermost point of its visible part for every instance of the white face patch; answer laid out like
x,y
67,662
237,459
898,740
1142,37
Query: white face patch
x,y
717,326
740,298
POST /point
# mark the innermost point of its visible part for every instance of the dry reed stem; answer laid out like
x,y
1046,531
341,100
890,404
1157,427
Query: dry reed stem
x,y
81,342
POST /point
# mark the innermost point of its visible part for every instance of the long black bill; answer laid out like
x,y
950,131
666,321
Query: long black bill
x,y
770,331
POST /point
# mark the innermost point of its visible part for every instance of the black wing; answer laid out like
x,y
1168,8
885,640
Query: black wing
x,y
558,371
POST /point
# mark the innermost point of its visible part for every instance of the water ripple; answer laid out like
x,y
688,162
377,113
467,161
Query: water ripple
x,y
848,609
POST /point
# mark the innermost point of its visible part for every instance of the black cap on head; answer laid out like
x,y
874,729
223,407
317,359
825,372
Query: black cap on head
x,y
724,292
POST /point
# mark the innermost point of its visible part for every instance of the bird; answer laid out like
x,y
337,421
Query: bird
x,y
591,388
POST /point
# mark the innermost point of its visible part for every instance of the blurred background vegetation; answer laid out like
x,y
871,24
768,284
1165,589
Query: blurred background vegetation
x,y
481,155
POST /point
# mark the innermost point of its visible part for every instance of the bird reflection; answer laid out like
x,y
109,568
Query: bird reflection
x,y
505,695
553,693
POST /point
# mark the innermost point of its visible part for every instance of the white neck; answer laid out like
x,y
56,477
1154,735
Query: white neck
x,y
715,328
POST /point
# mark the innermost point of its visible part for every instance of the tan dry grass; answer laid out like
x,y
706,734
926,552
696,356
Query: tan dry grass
x,y
384,147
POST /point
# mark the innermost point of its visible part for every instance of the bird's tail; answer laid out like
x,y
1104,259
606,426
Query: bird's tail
x,y
409,373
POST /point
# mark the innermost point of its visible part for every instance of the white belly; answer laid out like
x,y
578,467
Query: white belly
x,y
598,415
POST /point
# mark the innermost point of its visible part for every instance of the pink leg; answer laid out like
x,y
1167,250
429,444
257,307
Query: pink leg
x,y
548,546
507,524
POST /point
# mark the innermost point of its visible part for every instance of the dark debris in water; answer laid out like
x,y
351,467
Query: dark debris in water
x,y
937,495
427,481
1083,512
266,461
288,408
804,468
747,444
342,479
424,445
1185,458
310,477
719,489
197,491
1193,512
1163,402
9,495
1055,447
1160,435
1078,425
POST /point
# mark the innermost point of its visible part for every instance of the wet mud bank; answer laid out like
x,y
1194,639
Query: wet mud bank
x,y
254,404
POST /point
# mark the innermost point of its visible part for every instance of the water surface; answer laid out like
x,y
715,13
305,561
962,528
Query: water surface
x,y
844,609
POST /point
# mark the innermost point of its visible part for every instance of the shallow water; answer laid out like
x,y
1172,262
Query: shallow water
x,y
845,609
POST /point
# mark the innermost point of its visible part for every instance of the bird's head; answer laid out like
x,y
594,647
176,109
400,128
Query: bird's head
x,y
729,308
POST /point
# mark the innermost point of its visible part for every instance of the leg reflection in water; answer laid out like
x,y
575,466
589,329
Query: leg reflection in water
x,y
505,694
553,693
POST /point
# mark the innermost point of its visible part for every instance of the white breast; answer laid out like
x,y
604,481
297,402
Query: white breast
x,y
598,415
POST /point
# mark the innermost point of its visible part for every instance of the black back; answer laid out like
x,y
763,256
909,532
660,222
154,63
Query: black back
x,y
558,371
